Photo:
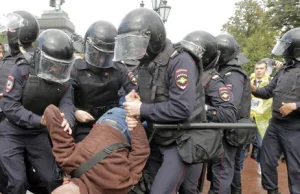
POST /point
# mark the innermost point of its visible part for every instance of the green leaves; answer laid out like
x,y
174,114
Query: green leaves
x,y
256,23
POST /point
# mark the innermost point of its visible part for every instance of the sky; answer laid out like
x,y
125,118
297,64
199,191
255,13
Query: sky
x,y
185,15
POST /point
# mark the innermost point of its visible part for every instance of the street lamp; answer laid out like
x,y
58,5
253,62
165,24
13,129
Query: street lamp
x,y
164,10
142,4
161,8
155,4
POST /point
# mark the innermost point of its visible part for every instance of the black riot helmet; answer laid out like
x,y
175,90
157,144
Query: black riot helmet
x,y
53,56
203,46
230,50
141,36
24,35
289,45
99,44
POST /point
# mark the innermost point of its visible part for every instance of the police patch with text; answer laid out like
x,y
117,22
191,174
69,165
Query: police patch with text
x,y
182,78
224,94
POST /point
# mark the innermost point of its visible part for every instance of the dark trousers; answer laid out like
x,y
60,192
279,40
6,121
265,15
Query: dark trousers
x,y
81,130
14,148
170,172
281,137
225,172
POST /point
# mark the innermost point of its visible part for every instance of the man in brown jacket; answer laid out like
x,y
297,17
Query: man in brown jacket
x,y
118,172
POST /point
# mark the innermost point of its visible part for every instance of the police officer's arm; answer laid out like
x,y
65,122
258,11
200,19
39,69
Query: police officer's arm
x,y
221,108
12,96
123,75
67,107
235,81
183,75
267,91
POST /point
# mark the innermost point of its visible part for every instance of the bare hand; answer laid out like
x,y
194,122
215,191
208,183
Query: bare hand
x,y
278,64
1,95
253,88
83,116
65,124
133,108
131,123
132,96
287,108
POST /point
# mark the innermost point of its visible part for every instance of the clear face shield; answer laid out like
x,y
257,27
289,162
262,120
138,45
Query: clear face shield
x,y
11,22
281,47
131,46
193,48
99,54
52,69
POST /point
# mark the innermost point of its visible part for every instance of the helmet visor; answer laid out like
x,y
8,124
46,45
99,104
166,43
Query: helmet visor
x,y
11,21
97,57
281,47
52,69
193,48
131,46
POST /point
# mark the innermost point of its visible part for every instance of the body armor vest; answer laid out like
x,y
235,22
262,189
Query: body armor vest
x,y
39,93
5,66
206,78
153,87
245,104
96,92
287,90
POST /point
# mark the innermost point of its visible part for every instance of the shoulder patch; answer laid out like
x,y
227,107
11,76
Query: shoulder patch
x,y
224,94
10,83
132,78
182,78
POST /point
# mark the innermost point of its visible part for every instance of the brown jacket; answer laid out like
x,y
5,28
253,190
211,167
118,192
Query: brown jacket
x,y
117,173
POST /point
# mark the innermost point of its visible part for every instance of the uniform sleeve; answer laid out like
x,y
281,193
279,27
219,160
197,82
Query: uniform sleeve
x,y
235,81
267,91
12,96
221,108
67,107
183,75
123,74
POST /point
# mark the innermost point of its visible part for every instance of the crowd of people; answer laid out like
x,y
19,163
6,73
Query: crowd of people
x,y
86,125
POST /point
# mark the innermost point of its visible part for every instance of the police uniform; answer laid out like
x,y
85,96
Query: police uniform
x,y
5,66
239,84
221,109
283,133
173,96
97,92
24,100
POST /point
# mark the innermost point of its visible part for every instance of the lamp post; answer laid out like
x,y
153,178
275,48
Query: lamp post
x,y
142,4
161,8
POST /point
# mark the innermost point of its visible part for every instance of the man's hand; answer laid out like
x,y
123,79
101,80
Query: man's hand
x,y
278,64
132,96
1,95
253,88
65,124
287,108
131,123
133,108
83,116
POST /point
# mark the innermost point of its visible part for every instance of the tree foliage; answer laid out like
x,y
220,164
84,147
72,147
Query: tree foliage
x,y
250,26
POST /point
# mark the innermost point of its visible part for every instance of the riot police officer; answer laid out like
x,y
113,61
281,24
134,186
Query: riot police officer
x,y
96,78
218,99
34,83
283,131
169,86
237,81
